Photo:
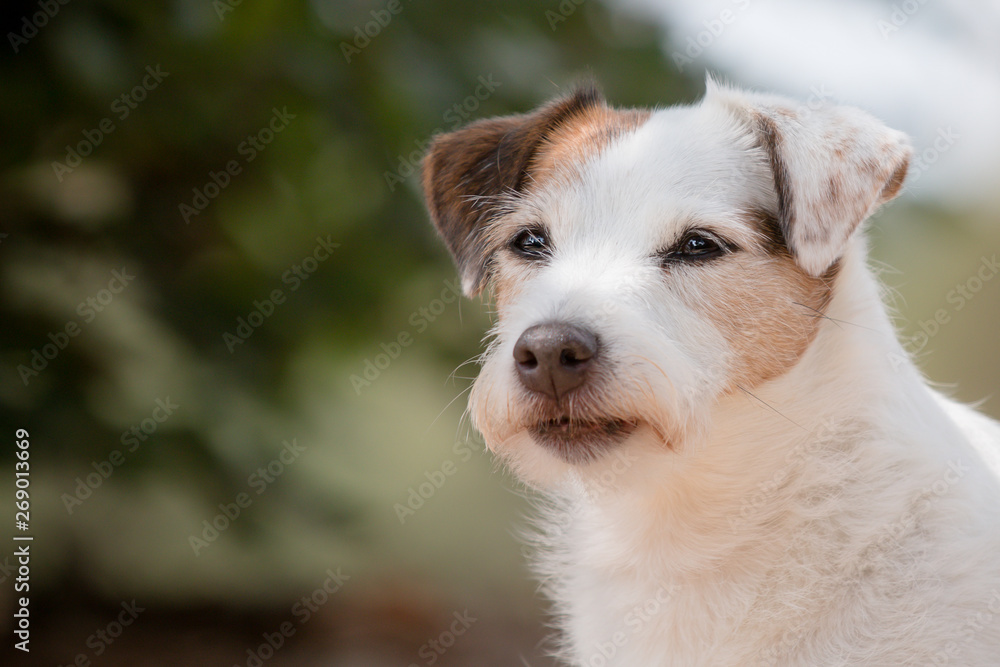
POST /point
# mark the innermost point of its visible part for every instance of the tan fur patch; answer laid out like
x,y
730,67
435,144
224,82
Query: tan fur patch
x,y
508,286
581,137
767,308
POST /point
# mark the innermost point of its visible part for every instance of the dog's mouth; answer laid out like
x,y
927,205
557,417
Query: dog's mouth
x,y
581,440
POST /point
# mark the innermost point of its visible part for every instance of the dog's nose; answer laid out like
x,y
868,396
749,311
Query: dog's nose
x,y
554,358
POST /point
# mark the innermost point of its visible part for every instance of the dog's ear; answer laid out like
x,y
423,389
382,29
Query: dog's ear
x,y
831,166
466,171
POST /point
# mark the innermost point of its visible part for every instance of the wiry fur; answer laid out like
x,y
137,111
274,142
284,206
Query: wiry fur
x,y
793,492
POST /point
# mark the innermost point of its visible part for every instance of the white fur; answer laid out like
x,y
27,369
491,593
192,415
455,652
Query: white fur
x,y
841,514
787,539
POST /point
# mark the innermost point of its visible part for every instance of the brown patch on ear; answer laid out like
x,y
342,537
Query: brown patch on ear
x,y
895,182
830,168
770,140
833,190
465,173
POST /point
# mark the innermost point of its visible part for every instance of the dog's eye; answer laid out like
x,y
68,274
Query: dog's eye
x,y
531,244
696,246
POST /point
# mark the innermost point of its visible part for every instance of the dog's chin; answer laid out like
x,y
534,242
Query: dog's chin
x,y
581,441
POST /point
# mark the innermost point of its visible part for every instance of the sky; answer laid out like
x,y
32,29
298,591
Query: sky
x,y
928,68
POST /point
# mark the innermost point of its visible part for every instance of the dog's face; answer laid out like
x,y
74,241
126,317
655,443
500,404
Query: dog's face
x,y
646,264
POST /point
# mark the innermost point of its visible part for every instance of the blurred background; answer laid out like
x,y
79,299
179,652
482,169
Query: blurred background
x,y
235,342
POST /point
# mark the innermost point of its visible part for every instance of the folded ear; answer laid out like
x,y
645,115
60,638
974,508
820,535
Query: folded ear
x,y
465,172
831,166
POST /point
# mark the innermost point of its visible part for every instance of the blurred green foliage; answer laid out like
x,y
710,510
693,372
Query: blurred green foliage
x,y
341,170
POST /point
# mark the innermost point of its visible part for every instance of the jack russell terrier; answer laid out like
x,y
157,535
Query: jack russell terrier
x,y
739,463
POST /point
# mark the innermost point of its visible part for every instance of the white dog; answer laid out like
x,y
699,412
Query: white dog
x,y
694,363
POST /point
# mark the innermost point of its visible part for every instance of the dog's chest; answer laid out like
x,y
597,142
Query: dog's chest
x,y
627,603
625,620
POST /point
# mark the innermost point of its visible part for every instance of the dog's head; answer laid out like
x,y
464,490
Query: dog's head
x,y
645,264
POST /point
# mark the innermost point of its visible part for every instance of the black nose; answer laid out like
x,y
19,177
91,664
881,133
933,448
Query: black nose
x,y
554,358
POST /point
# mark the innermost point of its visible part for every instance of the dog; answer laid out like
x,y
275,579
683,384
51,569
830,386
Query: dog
x,y
739,464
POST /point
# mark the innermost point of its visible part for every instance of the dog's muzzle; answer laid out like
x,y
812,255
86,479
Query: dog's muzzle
x,y
555,362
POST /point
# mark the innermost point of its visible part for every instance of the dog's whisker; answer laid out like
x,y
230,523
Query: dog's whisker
x,y
654,365
838,322
770,407
445,409
477,359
